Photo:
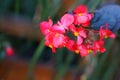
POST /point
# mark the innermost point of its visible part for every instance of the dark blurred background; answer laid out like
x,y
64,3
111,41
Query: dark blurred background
x,y
20,39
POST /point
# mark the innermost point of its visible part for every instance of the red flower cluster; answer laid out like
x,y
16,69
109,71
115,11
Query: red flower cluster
x,y
84,40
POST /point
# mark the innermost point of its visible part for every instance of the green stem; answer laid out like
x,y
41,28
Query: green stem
x,y
64,66
35,57
99,67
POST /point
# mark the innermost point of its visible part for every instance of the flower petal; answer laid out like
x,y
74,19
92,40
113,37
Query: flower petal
x,y
45,26
80,9
67,20
79,40
83,19
58,28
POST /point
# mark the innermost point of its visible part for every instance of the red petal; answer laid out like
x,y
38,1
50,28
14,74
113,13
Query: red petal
x,y
50,21
45,26
70,45
80,9
102,50
72,28
112,36
83,50
53,50
86,24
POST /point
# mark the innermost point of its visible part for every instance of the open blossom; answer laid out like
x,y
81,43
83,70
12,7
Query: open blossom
x,y
64,23
79,32
105,33
61,26
55,40
98,46
82,17
83,41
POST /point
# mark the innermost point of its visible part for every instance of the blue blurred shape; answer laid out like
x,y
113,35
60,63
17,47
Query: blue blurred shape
x,y
108,14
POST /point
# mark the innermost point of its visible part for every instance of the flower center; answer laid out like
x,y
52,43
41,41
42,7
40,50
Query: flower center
x,y
80,14
89,51
106,36
76,33
50,45
56,35
48,30
77,51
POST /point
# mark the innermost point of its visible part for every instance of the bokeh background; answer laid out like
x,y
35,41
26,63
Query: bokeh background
x,y
23,55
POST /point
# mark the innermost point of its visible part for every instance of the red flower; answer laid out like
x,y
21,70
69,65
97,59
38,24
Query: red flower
x,y
80,33
80,9
105,33
84,41
82,17
9,51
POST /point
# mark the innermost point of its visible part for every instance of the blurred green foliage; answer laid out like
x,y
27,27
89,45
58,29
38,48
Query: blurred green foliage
x,y
104,64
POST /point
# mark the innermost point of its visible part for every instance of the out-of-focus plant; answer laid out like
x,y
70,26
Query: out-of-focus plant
x,y
99,67
46,7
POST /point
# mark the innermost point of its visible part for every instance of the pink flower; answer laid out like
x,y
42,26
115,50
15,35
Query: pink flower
x,y
55,40
83,19
9,51
67,20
